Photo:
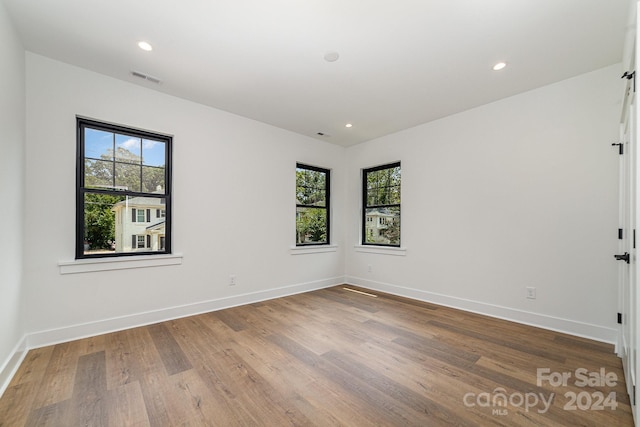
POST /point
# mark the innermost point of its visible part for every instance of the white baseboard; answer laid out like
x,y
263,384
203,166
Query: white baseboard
x,y
74,332
572,327
11,365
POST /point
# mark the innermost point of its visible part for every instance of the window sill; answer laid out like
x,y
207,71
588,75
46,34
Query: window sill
x,y
302,250
384,250
106,264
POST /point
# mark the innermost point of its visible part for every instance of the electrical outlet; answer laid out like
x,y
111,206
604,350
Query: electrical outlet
x,y
232,280
369,269
531,292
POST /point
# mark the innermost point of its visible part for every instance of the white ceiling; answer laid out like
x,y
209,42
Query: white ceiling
x,y
402,62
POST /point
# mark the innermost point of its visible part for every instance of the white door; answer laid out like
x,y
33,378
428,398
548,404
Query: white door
x,y
628,267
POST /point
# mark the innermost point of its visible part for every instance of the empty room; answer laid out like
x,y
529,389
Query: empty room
x,y
322,213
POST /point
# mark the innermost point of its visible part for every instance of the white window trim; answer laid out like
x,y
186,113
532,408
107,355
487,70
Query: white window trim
x,y
312,249
89,265
384,250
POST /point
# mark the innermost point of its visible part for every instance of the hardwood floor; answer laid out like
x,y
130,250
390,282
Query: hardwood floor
x,y
325,358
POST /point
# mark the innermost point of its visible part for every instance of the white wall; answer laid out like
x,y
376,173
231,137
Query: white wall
x,y
233,213
12,129
521,192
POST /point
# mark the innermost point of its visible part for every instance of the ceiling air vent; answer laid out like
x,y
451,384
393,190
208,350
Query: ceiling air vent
x,y
145,76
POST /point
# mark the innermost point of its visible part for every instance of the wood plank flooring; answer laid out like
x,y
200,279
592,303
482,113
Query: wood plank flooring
x,y
325,358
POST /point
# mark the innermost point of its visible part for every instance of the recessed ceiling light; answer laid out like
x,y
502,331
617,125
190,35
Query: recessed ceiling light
x,y
145,46
499,66
348,125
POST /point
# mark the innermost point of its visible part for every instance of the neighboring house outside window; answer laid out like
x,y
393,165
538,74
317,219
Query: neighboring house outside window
x,y
381,205
313,185
123,191
136,228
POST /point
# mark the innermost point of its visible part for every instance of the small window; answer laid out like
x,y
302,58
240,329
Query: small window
x,y
381,205
312,205
123,177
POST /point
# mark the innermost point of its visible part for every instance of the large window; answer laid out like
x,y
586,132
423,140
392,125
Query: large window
x,y
312,205
123,191
381,205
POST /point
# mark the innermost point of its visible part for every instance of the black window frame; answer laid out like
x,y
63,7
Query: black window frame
x,y
327,206
83,123
365,205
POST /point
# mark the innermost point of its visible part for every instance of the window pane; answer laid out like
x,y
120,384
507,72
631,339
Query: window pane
x,y
98,144
152,179
149,234
383,196
315,178
311,225
383,187
318,196
394,195
99,223
98,174
312,196
372,198
153,153
128,177
109,226
128,149
382,225
311,187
